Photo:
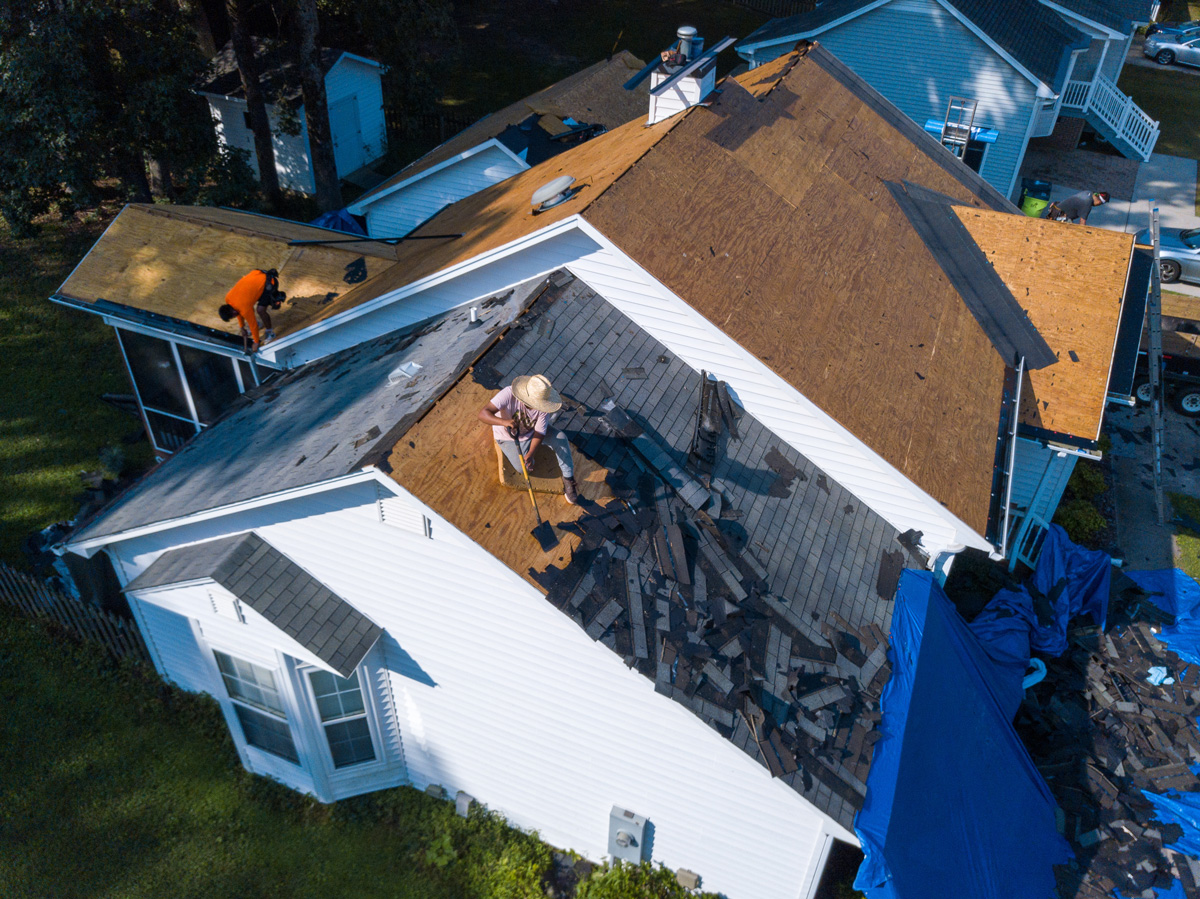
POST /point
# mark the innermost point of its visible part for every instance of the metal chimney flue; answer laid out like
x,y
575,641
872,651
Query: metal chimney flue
x,y
687,36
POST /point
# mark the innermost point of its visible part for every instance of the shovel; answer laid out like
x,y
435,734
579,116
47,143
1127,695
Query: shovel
x,y
544,532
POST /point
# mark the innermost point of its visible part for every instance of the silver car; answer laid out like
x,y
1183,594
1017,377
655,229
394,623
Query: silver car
x,y
1165,49
1178,252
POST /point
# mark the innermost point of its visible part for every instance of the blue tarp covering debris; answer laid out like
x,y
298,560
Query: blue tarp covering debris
x,y
955,806
1177,594
338,220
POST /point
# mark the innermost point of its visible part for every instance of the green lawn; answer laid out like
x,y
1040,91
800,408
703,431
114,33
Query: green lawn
x,y
1186,539
54,365
1172,96
114,787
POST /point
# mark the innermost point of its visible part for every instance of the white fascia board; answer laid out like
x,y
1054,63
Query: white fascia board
x,y
1074,18
996,48
449,274
195,343
348,55
226,97
359,207
792,38
839,461
90,250
88,547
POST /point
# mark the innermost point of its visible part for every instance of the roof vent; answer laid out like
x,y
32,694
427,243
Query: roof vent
x,y
687,35
404,372
552,193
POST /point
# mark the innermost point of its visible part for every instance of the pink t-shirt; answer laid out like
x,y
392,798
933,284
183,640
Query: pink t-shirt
x,y
528,420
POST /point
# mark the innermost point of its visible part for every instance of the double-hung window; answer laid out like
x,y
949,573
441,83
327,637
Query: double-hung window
x,y
343,717
258,706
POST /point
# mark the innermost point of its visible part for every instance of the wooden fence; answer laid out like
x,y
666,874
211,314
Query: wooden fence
x,y
35,599
778,9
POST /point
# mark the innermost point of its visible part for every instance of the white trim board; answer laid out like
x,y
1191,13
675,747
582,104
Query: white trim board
x,y
360,206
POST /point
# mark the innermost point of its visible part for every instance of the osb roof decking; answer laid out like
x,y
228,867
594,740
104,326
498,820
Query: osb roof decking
x,y
1071,281
806,261
181,261
593,95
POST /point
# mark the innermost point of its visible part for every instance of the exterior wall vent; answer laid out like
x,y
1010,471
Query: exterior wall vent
x,y
397,513
226,605
626,836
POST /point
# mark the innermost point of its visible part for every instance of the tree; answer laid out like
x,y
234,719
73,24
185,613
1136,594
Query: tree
x,y
90,90
256,106
316,110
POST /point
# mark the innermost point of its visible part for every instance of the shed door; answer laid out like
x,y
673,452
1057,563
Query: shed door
x,y
348,148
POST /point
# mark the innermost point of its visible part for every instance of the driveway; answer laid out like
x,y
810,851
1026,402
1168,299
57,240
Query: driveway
x,y
1145,543
1137,58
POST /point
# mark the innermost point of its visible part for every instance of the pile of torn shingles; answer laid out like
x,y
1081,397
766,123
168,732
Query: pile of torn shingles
x,y
1101,734
728,570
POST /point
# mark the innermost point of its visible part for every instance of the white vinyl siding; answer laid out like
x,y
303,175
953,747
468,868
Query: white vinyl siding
x,y
1040,476
395,214
918,55
172,646
291,152
499,694
352,78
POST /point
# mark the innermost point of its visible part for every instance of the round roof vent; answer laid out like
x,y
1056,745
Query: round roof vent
x,y
552,193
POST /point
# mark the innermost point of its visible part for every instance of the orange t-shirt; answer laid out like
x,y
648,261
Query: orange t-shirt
x,y
245,296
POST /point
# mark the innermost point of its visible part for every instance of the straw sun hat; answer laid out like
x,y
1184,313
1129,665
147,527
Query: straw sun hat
x,y
536,393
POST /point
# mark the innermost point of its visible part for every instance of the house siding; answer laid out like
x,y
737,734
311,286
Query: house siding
x,y
499,694
918,55
349,77
400,211
1040,476
291,152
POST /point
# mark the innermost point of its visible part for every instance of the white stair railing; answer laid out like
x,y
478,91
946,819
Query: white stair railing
x,y
1102,98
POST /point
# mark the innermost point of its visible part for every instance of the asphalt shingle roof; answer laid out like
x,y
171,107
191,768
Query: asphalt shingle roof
x,y
278,589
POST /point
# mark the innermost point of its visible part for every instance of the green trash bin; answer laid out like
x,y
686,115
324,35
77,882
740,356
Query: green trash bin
x,y
1035,196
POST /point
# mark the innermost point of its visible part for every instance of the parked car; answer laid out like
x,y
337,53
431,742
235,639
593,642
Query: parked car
x,y
1178,252
1172,27
1165,49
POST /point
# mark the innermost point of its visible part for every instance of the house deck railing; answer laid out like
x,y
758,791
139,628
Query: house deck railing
x,y
35,599
1101,98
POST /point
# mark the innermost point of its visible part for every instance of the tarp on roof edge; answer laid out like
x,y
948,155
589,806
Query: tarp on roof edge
x,y
954,806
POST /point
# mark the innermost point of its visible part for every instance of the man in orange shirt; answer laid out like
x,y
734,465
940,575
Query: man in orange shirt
x,y
249,301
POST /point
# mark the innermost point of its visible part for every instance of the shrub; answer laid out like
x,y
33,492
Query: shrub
x,y
1087,481
1080,519
625,881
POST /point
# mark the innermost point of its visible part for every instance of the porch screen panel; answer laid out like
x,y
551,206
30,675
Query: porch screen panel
x,y
211,379
155,373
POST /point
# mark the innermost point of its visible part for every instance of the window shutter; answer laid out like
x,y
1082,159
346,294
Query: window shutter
x,y
398,513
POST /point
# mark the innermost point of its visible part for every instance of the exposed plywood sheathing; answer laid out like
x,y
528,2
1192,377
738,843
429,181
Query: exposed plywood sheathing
x,y
805,260
591,95
448,462
1071,281
181,261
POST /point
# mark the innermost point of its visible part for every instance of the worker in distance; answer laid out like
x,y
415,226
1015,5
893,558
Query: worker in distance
x,y
1077,207
522,418
250,301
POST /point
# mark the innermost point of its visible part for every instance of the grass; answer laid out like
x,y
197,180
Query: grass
x,y
1187,539
116,787
54,365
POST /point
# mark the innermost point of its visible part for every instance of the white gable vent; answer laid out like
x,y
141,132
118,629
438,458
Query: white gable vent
x,y
226,605
552,193
398,513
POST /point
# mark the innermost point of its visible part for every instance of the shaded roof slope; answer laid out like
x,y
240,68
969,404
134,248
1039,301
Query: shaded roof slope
x,y
1120,15
277,70
1027,30
309,425
819,274
180,261
764,612
278,589
591,95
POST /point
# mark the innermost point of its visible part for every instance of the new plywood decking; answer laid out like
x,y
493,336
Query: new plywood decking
x,y
1071,281
448,462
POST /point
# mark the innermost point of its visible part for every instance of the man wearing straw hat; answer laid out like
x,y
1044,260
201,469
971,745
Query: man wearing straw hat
x,y
521,417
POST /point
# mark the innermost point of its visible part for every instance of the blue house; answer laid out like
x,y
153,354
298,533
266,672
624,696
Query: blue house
x,y
1019,66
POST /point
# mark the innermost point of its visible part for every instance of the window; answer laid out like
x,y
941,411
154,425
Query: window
x,y
246,120
155,374
344,716
258,706
974,153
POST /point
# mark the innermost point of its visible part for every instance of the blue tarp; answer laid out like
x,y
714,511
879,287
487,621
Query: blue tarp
x,y
1177,594
338,220
955,806
1073,581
